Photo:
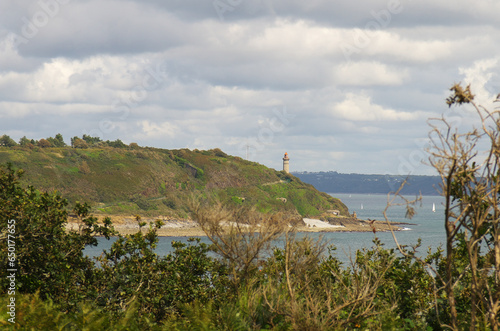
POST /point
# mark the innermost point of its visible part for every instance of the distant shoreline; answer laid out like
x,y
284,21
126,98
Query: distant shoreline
x,y
341,183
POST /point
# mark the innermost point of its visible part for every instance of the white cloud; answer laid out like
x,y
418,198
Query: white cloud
x,y
484,77
156,130
360,108
411,49
369,73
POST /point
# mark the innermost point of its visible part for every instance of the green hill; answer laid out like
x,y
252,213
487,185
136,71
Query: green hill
x,y
152,182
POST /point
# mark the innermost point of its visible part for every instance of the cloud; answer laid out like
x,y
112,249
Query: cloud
x,y
10,60
156,130
369,73
360,108
484,77
177,74
85,28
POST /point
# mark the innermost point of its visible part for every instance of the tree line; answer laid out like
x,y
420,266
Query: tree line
x,y
85,141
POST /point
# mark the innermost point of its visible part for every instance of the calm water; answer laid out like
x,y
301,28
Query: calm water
x,y
427,225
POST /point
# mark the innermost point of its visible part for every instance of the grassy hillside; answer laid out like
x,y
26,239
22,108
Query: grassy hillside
x,y
152,182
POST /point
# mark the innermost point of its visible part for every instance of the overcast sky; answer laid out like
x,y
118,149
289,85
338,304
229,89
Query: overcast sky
x,y
342,86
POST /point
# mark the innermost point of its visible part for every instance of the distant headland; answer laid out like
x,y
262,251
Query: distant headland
x,y
120,179
334,182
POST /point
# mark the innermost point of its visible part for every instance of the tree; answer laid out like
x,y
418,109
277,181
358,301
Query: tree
x,y
91,140
297,287
25,142
469,273
78,143
58,141
116,144
132,272
48,258
7,141
43,143
241,237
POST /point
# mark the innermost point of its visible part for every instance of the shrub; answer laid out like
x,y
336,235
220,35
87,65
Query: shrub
x,y
79,143
49,259
218,152
131,270
7,141
43,143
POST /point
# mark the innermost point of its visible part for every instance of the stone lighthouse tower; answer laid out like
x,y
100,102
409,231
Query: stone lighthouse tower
x,y
286,164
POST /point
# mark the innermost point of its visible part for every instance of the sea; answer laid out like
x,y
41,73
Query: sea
x,y
428,225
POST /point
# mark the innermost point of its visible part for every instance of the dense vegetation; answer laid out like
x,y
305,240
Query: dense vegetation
x,y
119,179
253,285
261,275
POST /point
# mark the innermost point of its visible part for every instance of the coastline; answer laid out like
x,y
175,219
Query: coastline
x,y
188,228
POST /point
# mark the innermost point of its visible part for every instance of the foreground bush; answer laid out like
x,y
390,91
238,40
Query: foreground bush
x,y
255,284
48,259
34,313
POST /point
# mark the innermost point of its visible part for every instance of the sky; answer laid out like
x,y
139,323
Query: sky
x,y
343,86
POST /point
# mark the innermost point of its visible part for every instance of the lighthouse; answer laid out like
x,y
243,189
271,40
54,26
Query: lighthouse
x,y
286,164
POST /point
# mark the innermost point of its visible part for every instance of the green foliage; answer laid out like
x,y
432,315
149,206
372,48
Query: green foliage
x,y
163,188
132,272
43,143
469,274
145,204
78,143
94,172
180,161
116,144
49,258
253,285
218,152
237,200
57,141
91,140
7,141
26,142
34,313
284,176
170,203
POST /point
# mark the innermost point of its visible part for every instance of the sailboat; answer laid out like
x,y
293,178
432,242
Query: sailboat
x,y
433,207
361,206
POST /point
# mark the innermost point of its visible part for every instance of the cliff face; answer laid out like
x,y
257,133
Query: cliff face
x,y
159,182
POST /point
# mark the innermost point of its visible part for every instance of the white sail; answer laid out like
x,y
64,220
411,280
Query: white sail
x,y
434,207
